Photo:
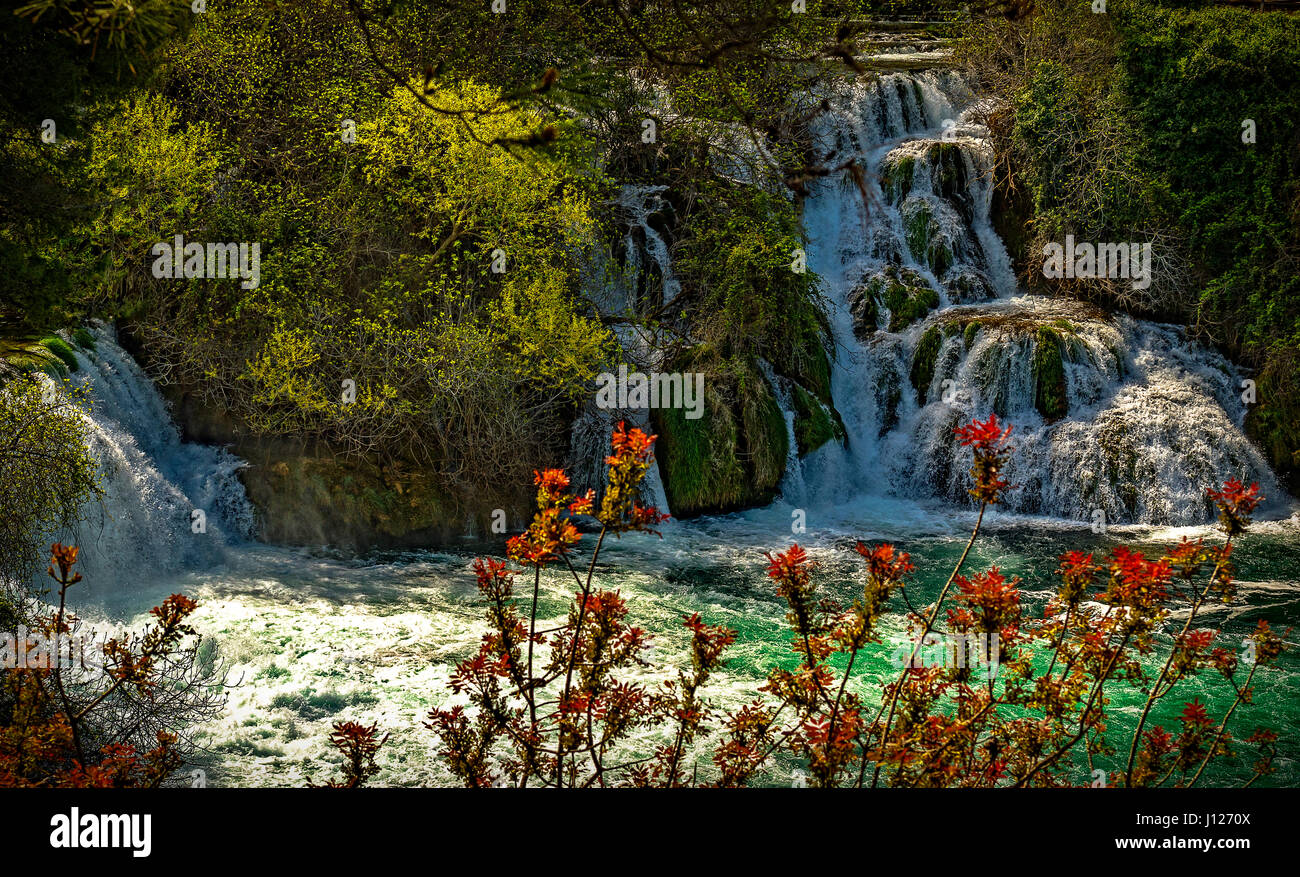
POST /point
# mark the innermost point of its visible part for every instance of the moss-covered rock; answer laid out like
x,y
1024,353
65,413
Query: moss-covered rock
x,y
907,304
888,390
949,178
63,350
902,291
968,286
734,456
916,229
27,357
1050,396
864,309
815,423
924,238
896,177
923,361
83,339
314,498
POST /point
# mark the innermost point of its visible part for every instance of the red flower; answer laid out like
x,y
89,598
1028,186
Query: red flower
x,y
550,486
545,539
989,442
996,599
987,436
1159,741
630,445
646,518
582,505
884,563
1077,572
787,564
1194,714
1235,502
1237,495
628,466
1136,581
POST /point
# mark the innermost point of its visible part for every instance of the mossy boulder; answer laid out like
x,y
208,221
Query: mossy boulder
x,y
733,456
308,496
949,178
902,291
968,286
896,176
924,358
63,350
29,357
864,309
889,395
83,339
815,423
926,238
1050,394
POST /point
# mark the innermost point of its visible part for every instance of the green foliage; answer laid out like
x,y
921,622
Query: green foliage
x,y
1194,77
736,260
378,256
63,350
46,473
81,335
63,61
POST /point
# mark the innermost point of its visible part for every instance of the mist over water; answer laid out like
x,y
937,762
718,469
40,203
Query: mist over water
x,y
1152,420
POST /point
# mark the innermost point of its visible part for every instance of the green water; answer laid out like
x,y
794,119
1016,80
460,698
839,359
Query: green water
x,y
314,638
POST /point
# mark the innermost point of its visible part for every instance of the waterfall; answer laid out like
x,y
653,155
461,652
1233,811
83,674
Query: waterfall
x,y
1111,414
644,244
624,291
145,525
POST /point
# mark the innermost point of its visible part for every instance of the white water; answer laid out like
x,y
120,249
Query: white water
x,y
145,525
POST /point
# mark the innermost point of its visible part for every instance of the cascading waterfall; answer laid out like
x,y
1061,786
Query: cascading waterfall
x,y
1110,414
153,481
620,291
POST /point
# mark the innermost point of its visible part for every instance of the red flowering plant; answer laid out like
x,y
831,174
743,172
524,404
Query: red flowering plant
x,y
553,707
107,720
1031,707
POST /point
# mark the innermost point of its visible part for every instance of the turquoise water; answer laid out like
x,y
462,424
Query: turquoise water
x,y
312,637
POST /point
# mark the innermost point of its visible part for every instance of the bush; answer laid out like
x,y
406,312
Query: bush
x,y
94,720
46,472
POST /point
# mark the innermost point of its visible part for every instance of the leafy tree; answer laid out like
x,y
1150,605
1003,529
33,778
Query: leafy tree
x,y
46,473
